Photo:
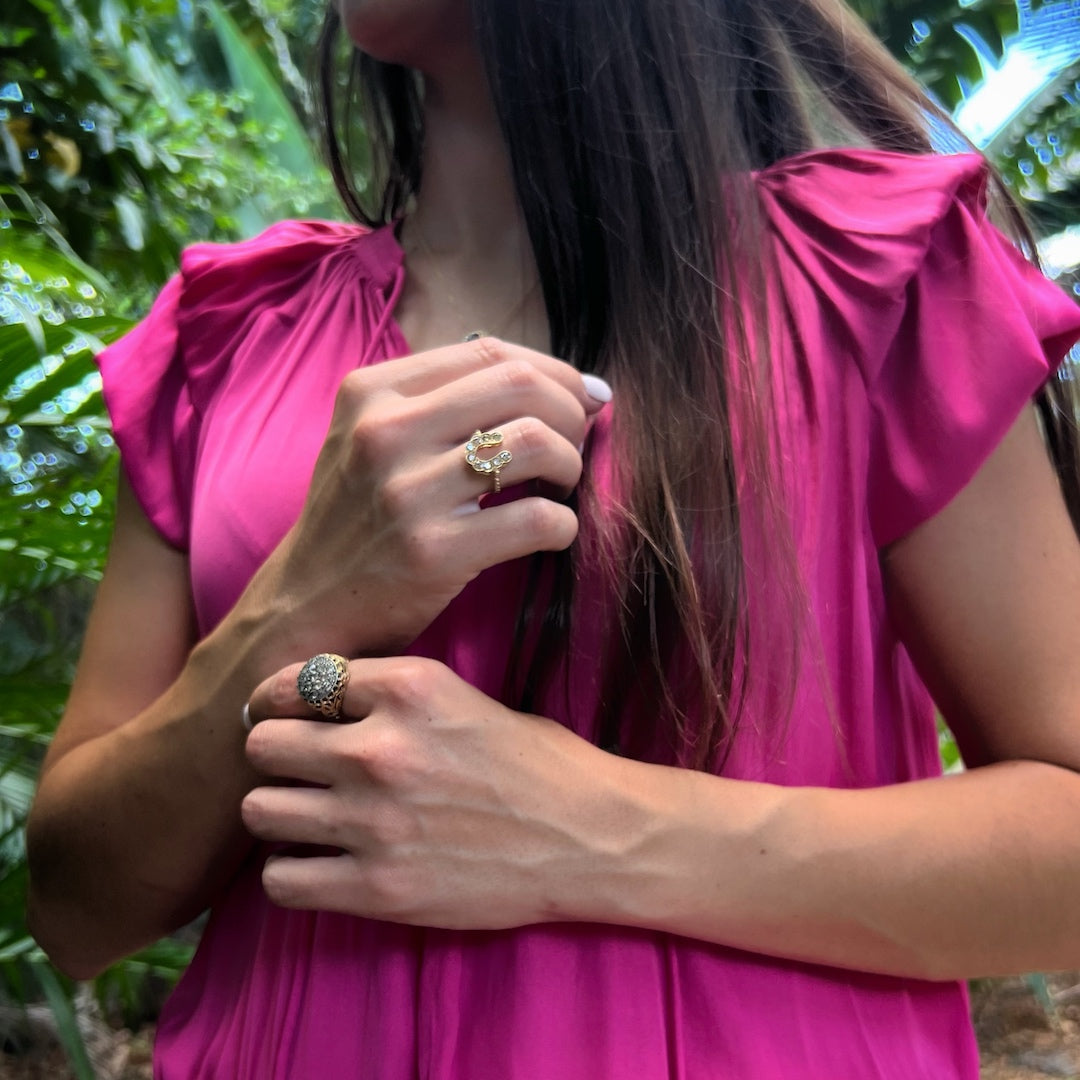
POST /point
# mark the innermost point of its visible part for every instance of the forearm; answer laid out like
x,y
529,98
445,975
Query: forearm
x,y
946,878
133,832
136,826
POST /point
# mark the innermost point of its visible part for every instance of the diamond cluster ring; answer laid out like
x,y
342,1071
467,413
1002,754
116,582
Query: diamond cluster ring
x,y
322,682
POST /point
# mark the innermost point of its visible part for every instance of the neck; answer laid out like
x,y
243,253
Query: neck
x,y
469,260
467,203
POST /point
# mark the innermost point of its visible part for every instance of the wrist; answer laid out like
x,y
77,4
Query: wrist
x,y
295,616
623,818
694,853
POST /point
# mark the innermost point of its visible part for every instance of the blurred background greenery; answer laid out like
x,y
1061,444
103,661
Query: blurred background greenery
x,y
130,129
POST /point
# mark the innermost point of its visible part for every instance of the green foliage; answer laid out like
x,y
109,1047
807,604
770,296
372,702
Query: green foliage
x,y
950,753
1039,152
144,127
127,130
934,38
949,46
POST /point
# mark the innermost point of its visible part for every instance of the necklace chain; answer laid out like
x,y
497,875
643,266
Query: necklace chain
x,y
497,328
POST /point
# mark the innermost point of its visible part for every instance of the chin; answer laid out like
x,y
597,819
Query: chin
x,y
409,32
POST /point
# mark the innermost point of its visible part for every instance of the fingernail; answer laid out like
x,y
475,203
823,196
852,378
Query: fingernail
x,y
596,388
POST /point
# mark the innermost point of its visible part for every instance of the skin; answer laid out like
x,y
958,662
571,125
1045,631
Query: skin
x,y
452,810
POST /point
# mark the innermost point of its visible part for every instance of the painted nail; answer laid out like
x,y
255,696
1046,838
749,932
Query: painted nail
x,y
596,388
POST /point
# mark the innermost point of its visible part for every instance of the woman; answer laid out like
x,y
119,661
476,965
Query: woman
x,y
668,804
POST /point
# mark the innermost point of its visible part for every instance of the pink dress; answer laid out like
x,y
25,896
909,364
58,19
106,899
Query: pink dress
x,y
908,336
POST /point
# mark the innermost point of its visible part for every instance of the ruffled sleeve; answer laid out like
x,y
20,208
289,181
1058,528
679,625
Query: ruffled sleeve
x,y
149,403
159,378
952,329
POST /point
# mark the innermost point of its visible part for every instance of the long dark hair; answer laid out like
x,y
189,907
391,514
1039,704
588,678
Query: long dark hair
x,y
632,130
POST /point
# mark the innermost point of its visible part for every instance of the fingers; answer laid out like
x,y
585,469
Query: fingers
x,y
293,749
294,815
539,453
515,529
328,883
490,399
278,697
425,372
298,748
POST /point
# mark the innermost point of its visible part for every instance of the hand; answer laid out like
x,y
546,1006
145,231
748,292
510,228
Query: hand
x,y
388,535
449,809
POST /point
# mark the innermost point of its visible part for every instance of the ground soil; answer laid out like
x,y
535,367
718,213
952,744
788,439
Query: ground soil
x,y
1019,1039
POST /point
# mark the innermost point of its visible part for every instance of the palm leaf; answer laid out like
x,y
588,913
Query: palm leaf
x,y
289,145
67,1025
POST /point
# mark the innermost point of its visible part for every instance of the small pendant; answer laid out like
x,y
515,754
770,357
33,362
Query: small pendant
x,y
473,335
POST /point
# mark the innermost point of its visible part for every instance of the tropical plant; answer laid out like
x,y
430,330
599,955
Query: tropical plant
x,y
937,38
951,45
126,131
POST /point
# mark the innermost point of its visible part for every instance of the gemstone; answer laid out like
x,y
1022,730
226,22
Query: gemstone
x,y
317,679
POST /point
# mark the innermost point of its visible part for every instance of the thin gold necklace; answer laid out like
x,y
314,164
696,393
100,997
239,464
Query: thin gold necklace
x,y
503,324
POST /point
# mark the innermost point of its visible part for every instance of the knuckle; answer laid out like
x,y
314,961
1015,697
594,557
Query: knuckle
x,y
366,438
385,755
566,528
412,680
251,811
488,351
554,526
517,375
532,436
280,886
353,389
258,747
576,468
538,516
392,888
396,495
282,696
377,435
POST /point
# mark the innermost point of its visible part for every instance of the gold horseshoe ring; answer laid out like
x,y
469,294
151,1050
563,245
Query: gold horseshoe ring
x,y
487,466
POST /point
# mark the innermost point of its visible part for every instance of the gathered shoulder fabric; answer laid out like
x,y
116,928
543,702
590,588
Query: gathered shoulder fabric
x,y
952,328
906,335
160,379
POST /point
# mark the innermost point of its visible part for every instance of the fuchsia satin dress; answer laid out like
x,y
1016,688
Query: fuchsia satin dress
x,y
907,337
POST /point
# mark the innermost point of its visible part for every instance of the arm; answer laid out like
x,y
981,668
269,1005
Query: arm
x,y
135,826
955,877
960,876
944,878
135,811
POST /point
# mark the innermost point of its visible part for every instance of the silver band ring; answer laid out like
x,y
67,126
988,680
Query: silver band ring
x,y
322,682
